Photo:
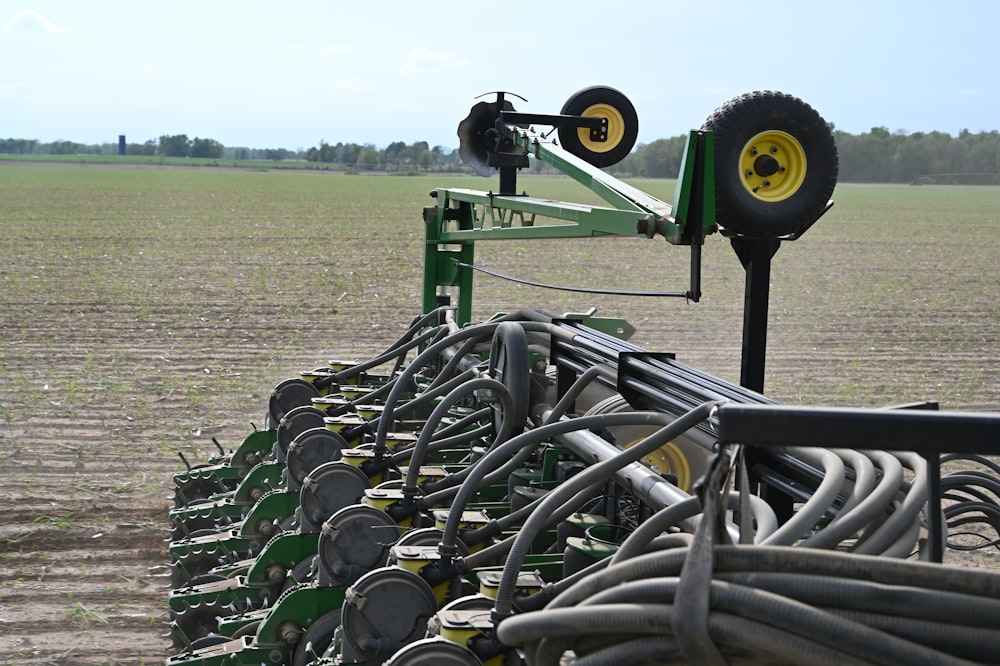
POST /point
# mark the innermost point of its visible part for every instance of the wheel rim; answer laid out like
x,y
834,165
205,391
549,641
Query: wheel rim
x,y
669,459
773,166
616,128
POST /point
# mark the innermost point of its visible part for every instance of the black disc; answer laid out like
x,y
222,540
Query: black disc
x,y
385,607
311,449
317,639
435,650
294,423
328,489
288,395
354,541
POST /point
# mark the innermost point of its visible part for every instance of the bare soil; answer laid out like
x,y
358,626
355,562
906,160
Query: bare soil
x,y
99,398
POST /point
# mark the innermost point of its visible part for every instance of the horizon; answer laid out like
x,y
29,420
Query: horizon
x,y
250,75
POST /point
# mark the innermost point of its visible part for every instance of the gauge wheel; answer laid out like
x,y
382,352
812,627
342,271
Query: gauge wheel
x,y
623,126
775,164
509,365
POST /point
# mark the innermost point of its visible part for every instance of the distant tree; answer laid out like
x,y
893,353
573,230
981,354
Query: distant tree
x,y
661,158
177,145
348,154
147,148
394,156
278,154
18,146
368,158
206,148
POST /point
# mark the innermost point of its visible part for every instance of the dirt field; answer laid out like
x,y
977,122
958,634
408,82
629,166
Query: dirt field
x,y
99,394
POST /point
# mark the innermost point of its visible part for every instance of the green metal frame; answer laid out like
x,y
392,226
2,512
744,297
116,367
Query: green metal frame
x,y
462,216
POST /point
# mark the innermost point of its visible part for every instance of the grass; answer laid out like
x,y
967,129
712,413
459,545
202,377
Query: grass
x,y
896,276
160,160
82,617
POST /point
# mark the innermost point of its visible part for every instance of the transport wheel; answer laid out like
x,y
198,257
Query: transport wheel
x,y
775,164
623,125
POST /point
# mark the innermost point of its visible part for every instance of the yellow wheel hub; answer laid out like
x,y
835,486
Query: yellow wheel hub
x,y
616,128
773,166
669,459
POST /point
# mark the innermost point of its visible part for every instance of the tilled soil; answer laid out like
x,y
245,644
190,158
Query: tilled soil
x,y
99,398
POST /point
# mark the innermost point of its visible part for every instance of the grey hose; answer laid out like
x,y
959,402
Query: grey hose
x,y
442,409
523,445
600,470
817,505
875,542
849,522
675,513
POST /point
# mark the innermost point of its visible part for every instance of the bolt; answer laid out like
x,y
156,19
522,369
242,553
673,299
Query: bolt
x,y
276,573
781,169
753,151
767,183
290,633
749,173
774,149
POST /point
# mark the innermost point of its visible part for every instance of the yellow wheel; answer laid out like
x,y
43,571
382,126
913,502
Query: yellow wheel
x,y
669,459
616,129
682,458
775,164
601,150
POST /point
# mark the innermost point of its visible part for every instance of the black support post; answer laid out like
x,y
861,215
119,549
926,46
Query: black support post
x,y
755,254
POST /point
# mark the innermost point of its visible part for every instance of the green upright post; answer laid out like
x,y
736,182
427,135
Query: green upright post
x,y
441,260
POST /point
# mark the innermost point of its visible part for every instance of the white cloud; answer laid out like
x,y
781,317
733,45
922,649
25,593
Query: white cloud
x,y
424,61
29,20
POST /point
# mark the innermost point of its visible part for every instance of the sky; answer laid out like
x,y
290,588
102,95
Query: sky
x,y
292,74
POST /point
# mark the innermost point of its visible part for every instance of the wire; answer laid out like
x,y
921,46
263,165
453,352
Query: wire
x,y
584,290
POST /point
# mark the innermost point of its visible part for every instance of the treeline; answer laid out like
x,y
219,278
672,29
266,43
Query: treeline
x,y
397,156
174,145
875,156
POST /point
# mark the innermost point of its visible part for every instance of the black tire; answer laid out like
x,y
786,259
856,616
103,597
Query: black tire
x,y
316,639
775,164
623,125
508,364
247,630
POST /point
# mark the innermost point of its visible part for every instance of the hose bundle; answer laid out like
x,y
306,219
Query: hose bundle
x,y
770,604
